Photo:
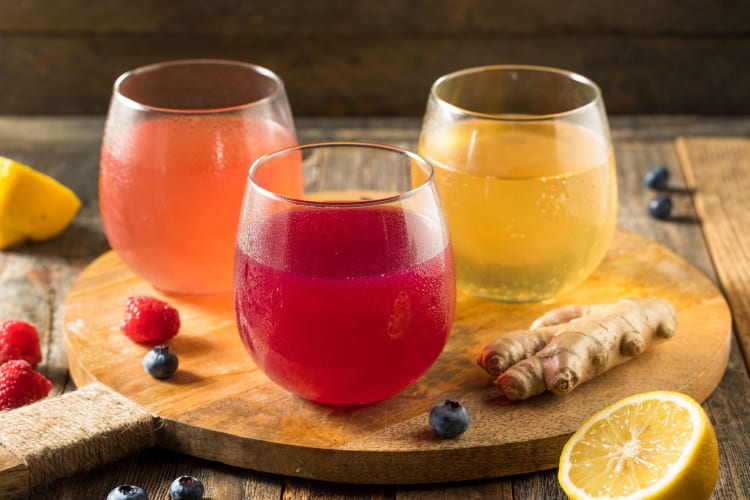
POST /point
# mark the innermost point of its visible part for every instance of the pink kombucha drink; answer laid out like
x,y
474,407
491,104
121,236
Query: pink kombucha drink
x,y
170,199
179,141
361,317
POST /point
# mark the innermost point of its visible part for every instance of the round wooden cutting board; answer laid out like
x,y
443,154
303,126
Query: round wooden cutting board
x,y
219,406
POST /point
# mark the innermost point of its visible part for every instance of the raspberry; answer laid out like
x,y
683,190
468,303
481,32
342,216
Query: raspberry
x,y
149,320
19,340
20,384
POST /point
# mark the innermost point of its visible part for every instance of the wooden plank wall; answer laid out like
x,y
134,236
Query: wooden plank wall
x,y
379,57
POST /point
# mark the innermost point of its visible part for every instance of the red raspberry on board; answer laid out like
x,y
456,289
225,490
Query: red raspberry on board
x,y
149,320
20,384
19,340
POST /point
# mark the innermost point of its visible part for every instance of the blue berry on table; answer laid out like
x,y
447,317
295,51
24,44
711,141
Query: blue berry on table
x,y
186,488
657,177
160,362
127,492
449,419
660,206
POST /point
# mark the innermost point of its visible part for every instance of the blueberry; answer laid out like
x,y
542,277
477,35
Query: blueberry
x,y
660,206
449,419
127,492
186,488
160,362
657,177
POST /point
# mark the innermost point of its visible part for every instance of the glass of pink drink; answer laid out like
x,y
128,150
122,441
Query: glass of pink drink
x,y
178,143
344,293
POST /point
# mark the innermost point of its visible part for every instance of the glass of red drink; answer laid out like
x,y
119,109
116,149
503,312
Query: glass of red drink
x,y
179,140
344,293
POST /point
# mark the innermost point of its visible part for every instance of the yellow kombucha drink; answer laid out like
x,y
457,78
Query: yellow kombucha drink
x,y
530,205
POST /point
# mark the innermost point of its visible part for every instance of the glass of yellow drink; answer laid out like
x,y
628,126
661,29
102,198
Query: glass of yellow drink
x,y
525,168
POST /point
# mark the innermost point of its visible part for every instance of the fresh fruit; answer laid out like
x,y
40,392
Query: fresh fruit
x,y
660,206
652,445
32,204
20,384
160,362
127,492
657,177
9,237
149,320
19,340
186,488
449,419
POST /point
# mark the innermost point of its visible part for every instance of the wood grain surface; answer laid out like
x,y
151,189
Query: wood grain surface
x,y
219,406
35,279
343,58
717,170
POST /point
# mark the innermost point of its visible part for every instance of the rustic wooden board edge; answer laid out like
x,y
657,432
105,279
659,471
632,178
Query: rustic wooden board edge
x,y
408,467
369,466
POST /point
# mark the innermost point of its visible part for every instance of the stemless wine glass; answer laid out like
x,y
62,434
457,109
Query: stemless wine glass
x,y
345,293
179,140
524,164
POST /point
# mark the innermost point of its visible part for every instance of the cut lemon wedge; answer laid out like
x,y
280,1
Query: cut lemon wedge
x,y
10,237
653,445
32,204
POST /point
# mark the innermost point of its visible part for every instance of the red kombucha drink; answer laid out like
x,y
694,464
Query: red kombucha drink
x,y
344,306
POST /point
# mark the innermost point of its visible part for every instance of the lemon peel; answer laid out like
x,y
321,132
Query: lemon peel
x,y
654,445
33,205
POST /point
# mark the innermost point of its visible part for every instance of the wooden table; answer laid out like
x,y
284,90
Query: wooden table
x,y
710,228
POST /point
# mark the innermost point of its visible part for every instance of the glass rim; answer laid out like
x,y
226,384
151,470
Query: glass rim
x,y
572,75
148,68
424,164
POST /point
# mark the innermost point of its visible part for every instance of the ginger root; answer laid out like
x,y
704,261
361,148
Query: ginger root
x,y
570,345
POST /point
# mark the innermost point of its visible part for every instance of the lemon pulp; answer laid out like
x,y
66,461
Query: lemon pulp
x,y
652,445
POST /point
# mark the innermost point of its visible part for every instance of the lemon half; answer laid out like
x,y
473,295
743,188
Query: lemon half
x,y
655,445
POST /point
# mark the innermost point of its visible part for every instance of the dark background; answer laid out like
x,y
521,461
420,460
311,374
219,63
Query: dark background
x,y
379,57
